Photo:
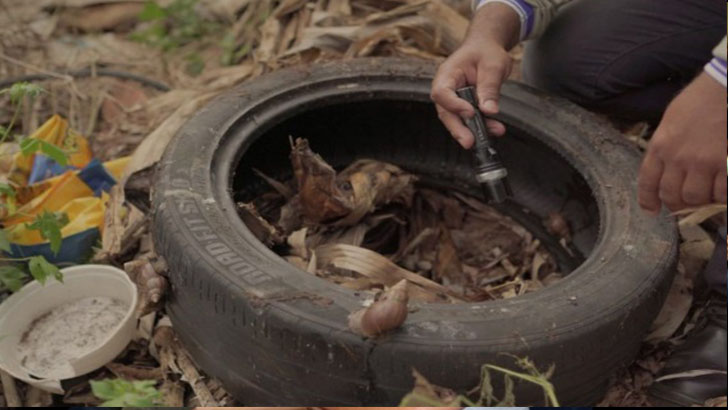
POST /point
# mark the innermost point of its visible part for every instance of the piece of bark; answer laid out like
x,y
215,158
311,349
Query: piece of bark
x,y
174,357
259,226
173,393
133,372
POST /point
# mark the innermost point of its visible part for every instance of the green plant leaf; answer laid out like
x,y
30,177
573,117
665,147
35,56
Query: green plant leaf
x,y
174,25
125,393
4,241
12,277
7,190
152,11
195,64
19,90
29,146
41,269
49,224
54,152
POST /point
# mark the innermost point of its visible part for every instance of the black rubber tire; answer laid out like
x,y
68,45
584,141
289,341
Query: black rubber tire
x,y
276,335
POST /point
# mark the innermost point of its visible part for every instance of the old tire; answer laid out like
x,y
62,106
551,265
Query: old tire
x,y
278,336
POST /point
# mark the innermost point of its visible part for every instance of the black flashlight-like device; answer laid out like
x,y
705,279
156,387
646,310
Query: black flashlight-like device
x,y
489,171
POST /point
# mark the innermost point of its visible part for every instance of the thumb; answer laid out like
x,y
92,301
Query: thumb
x,y
489,80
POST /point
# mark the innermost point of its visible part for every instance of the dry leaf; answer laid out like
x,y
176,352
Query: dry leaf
x,y
297,241
425,393
321,199
225,10
447,263
297,261
135,372
694,216
281,188
375,266
536,264
151,149
675,309
371,209
690,374
270,32
123,96
374,183
259,226
287,7
97,17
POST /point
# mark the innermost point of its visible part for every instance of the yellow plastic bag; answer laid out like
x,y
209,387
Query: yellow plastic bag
x,y
54,131
83,214
78,192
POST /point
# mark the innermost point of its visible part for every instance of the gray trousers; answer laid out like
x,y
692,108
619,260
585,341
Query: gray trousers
x,y
625,58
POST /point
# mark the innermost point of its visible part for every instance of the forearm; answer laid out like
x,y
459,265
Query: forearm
x,y
495,22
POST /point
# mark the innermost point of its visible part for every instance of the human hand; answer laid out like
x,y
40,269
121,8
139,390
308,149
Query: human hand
x,y
482,60
685,163
486,65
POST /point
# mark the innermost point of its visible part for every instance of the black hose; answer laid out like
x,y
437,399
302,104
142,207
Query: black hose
x,y
86,72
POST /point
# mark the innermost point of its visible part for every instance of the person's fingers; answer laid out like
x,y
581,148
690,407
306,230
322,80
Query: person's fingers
x,y
648,183
443,91
719,188
671,185
495,128
455,125
490,77
697,188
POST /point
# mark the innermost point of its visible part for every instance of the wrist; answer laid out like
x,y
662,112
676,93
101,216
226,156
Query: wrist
x,y
495,23
709,88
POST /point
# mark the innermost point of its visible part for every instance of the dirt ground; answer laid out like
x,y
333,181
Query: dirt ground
x,y
127,76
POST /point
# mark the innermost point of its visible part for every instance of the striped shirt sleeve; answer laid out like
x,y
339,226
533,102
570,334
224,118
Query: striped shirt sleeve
x,y
524,11
716,67
535,15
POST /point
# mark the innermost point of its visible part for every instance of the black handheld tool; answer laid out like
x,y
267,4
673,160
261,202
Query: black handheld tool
x,y
489,171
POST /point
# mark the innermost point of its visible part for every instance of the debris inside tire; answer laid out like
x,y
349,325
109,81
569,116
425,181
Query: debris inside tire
x,y
371,225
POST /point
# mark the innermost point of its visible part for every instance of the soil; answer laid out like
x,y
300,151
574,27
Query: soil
x,y
68,332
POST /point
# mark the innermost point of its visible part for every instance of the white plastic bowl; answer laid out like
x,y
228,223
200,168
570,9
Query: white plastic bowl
x,y
33,300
